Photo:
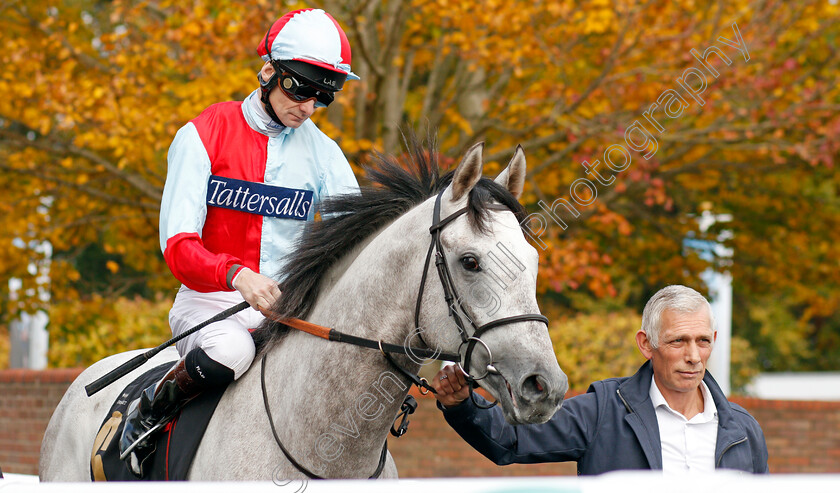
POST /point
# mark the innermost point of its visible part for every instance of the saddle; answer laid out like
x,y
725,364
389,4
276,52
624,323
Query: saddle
x,y
175,444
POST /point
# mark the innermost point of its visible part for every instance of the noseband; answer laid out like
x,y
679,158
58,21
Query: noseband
x,y
453,301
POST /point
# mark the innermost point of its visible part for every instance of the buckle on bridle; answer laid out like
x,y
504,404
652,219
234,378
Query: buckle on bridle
x,y
440,260
423,388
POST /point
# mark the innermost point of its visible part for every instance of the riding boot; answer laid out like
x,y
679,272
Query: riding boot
x,y
157,405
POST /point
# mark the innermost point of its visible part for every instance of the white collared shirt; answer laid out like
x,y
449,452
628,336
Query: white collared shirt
x,y
688,445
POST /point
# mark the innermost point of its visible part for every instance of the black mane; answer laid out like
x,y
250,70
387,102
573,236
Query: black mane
x,y
350,219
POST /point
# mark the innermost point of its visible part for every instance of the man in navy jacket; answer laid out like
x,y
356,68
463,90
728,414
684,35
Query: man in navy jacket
x,y
671,415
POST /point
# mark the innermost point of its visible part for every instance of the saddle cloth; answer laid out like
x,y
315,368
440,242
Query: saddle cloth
x,y
176,443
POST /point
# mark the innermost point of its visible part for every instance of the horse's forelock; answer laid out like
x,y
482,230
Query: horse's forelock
x,y
487,192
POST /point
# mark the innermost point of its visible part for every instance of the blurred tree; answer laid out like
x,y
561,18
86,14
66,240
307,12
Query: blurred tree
x,y
98,89
4,346
84,332
743,364
596,346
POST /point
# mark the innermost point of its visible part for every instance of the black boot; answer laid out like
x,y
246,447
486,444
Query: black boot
x,y
157,405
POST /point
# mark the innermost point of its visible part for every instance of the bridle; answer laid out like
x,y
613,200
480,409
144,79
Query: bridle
x,y
453,301
456,311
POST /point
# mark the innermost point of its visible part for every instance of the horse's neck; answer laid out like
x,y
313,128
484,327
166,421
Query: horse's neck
x,y
344,397
373,291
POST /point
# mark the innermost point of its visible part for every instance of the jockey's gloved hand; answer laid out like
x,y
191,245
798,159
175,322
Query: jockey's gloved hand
x,y
259,291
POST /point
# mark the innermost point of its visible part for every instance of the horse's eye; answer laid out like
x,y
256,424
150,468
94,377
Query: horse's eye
x,y
470,263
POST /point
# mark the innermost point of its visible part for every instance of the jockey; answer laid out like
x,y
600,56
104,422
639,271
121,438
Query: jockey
x,y
243,178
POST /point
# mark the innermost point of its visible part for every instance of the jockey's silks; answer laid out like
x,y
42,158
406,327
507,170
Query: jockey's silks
x,y
239,191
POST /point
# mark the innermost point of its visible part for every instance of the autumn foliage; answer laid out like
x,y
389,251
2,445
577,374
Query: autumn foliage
x,y
95,91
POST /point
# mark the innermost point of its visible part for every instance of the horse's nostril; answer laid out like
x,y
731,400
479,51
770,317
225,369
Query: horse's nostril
x,y
534,387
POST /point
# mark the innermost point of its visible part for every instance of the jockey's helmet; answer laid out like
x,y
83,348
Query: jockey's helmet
x,y
310,54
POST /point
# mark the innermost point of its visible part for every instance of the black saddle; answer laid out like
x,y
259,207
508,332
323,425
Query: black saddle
x,y
175,444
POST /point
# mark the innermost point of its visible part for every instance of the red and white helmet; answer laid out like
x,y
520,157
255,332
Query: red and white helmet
x,y
311,44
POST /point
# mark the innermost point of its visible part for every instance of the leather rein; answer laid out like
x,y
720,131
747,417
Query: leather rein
x,y
456,311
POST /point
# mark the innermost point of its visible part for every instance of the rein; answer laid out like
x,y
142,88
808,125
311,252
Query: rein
x,y
311,475
384,347
408,407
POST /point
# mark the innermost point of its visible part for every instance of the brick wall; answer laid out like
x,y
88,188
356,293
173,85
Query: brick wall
x,y
802,437
27,400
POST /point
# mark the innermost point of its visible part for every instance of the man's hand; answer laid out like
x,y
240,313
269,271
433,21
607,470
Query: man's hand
x,y
451,386
259,291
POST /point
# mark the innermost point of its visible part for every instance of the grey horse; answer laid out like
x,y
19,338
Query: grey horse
x,y
360,271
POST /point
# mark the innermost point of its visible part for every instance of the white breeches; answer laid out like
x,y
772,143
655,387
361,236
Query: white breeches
x,y
227,341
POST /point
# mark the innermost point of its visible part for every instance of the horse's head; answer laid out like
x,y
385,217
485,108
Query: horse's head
x,y
492,271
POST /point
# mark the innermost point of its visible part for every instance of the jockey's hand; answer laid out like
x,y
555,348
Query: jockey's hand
x,y
451,386
259,291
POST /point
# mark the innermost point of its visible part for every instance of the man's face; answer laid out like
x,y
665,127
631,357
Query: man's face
x,y
290,112
685,344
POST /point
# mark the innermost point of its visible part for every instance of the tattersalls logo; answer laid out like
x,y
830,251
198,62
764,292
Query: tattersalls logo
x,y
259,198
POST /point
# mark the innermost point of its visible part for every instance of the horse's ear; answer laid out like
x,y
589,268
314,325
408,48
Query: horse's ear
x,y
513,177
468,172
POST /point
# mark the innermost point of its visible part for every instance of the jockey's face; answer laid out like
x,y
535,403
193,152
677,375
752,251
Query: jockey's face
x,y
290,112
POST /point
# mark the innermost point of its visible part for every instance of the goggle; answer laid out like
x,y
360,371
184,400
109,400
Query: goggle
x,y
303,93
